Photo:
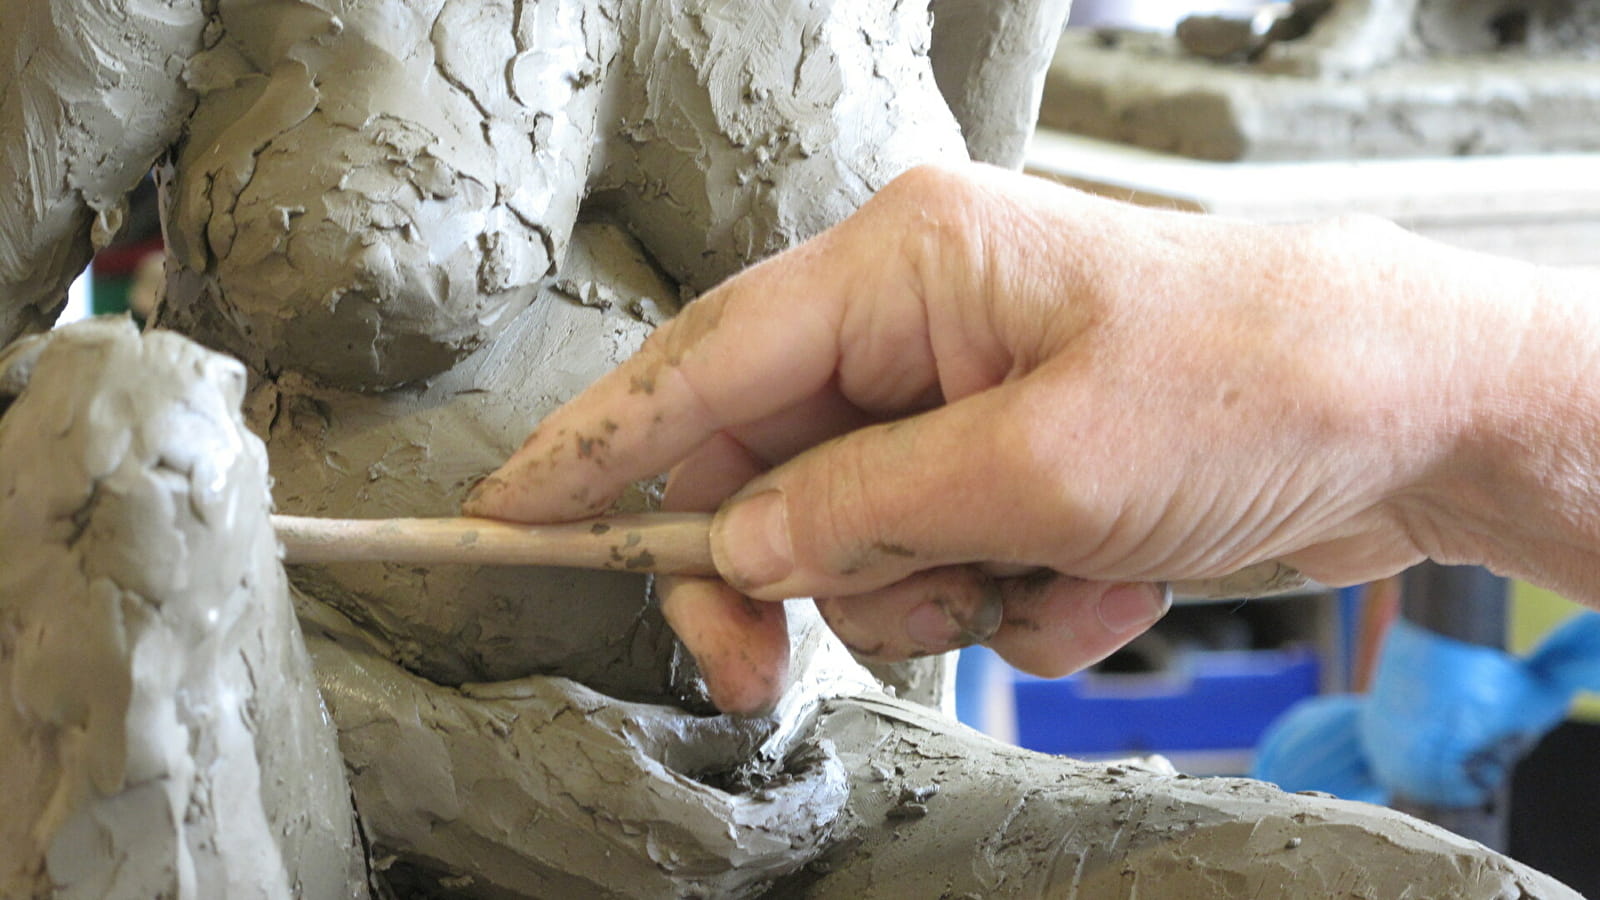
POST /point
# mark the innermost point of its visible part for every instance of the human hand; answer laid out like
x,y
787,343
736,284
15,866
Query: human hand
x,y
982,375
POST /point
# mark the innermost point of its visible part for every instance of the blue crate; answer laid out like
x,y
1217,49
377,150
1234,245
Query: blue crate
x,y
1206,700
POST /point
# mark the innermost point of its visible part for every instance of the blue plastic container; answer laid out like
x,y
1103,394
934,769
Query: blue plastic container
x,y
1206,700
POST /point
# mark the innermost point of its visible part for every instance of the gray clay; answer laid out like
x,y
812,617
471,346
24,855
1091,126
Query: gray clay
x,y
163,735
1329,79
989,57
422,225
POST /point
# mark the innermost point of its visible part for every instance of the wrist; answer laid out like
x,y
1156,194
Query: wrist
x,y
1525,500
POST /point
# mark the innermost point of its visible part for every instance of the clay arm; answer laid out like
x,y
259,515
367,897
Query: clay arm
x,y
90,94
990,60
162,733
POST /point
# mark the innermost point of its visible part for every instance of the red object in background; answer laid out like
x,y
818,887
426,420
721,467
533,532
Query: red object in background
x,y
119,260
1380,605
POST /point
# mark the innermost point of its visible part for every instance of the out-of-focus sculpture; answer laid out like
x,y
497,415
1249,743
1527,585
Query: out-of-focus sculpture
x,y
1314,79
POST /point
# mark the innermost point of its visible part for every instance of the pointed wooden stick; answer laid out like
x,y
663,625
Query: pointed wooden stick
x,y
667,543
671,543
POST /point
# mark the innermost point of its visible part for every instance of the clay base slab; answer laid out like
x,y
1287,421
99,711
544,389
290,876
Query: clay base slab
x,y
1139,89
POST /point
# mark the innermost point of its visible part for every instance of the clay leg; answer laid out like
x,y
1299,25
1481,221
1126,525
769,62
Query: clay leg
x,y
540,787
162,735
415,453
937,810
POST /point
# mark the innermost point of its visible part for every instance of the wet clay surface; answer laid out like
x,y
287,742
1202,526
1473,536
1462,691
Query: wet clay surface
x,y
163,735
416,452
938,810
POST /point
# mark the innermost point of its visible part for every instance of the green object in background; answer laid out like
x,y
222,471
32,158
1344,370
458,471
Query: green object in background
x,y
1535,612
108,294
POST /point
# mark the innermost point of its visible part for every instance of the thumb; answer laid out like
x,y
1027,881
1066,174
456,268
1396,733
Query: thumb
x,y
868,508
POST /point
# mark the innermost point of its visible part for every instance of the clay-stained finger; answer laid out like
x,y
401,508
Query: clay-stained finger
x,y
741,645
1055,625
930,612
874,506
728,459
702,481
732,357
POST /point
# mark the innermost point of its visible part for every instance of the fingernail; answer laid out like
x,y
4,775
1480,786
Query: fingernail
x,y
940,625
750,541
931,628
1125,607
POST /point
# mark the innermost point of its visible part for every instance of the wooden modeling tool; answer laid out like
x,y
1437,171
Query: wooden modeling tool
x,y
669,543
666,543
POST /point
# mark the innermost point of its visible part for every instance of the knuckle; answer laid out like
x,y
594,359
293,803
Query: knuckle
x,y
927,180
935,210
857,532
1053,479
1032,450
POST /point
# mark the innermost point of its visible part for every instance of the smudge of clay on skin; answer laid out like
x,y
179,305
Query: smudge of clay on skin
x,y
868,651
970,622
1022,599
865,557
588,448
891,549
975,623
832,612
482,485
687,333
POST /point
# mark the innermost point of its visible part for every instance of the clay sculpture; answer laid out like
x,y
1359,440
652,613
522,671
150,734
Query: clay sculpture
x,y
418,226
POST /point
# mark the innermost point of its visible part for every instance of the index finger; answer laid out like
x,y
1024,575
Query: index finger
x,y
763,341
